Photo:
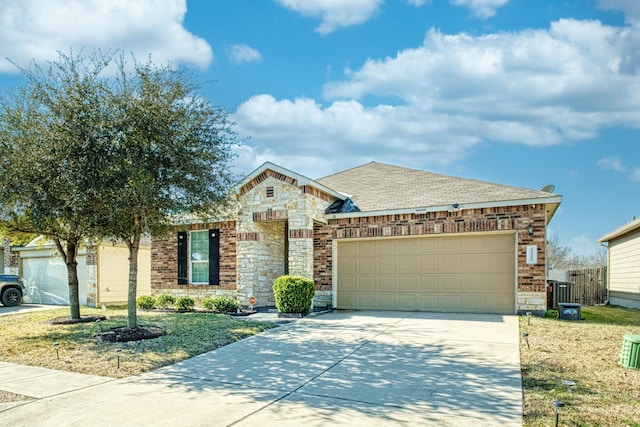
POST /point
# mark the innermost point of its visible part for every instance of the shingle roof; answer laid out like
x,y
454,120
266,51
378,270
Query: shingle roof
x,y
379,187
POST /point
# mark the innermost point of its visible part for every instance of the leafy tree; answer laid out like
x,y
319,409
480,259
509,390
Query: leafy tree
x,y
171,152
55,143
90,156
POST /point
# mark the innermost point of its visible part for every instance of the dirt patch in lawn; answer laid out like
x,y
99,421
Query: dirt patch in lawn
x,y
124,334
67,320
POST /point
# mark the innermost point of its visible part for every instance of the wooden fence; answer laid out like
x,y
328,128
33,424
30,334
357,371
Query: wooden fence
x,y
589,285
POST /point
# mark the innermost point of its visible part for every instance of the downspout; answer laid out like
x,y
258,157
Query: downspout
x,y
606,245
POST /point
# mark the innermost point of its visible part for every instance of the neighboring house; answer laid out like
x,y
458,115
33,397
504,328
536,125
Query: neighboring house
x,y
377,236
623,253
103,273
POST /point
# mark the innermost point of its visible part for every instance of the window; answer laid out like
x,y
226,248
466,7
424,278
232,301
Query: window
x,y
199,256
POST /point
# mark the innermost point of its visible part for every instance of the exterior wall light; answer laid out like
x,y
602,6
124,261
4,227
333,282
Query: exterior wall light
x,y
530,229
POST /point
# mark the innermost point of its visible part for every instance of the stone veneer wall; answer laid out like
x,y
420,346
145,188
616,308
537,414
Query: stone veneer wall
x,y
164,264
267,203
261,260
531,277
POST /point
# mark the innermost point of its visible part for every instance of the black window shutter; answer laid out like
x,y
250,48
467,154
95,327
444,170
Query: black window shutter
x,y
214,257
183,275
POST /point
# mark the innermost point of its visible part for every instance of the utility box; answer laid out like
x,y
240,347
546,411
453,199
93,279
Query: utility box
x,y
630,355
560,292
568,311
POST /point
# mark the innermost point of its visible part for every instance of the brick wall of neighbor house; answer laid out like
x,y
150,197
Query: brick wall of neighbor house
x,y
531,278
164,264
268,203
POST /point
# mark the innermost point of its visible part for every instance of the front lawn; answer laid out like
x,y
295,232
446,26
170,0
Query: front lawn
x,y
587,353
29,338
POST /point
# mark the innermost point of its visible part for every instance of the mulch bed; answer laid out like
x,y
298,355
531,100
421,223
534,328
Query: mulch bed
x,y
124,334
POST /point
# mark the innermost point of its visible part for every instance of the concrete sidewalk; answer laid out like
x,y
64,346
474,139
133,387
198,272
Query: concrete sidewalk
x,y
341,368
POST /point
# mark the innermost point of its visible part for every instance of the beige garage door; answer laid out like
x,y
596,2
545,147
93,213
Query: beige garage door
x,y
471,273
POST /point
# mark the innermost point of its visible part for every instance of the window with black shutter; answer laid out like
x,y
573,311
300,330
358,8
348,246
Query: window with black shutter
x,y
183,268
214,257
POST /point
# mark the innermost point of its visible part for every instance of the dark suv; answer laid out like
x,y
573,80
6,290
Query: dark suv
x,y
11,289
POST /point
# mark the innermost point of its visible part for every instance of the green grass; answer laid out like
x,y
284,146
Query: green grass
x,y
586,352
28,339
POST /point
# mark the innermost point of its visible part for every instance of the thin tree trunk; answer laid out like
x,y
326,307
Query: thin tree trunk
x,y
134,246
70,259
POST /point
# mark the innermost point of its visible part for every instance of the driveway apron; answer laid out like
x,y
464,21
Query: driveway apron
x,y
340,368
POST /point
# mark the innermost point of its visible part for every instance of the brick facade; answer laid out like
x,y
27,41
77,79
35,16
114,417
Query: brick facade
x,y
531,277
164,263
282,226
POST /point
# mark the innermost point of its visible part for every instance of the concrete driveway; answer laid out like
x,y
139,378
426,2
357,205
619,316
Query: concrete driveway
x,y
341,368
25,308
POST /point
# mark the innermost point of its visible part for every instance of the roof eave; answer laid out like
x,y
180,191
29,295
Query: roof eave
x,y
554,201
621,231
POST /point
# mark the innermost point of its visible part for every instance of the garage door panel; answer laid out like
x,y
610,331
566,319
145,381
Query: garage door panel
x,y
428,263
387,265
387,283
407,302
437,273
450,283
450,244
407,264
450,264
387,302
366,265
407,283
366,283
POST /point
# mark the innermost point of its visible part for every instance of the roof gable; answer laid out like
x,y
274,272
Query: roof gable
x,y
269,169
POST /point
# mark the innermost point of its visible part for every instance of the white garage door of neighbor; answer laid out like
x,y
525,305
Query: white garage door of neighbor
x,y
462,273
47,281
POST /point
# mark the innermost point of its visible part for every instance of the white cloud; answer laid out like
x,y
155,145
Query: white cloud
x,y
417,2
534,87
334,14
615,164
241,53
38,29
481,8
612,163
631,8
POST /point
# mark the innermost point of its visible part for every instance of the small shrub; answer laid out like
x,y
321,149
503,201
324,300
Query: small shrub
x,y
145,302
221,304
184,303
165,301
293,294
207,302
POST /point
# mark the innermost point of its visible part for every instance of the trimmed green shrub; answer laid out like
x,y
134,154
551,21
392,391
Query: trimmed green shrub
x,y
145,302
184,303
293,294
221,304
165,301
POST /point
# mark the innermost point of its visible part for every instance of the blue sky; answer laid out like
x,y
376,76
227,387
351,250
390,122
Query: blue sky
x,y
519,92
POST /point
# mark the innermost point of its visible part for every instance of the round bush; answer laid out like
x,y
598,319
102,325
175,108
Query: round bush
x,y
165,301
145,302
221,304
293,294
184,303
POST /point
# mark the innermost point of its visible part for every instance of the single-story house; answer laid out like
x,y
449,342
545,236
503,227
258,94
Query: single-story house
x,y
103,273
623,255
377,237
